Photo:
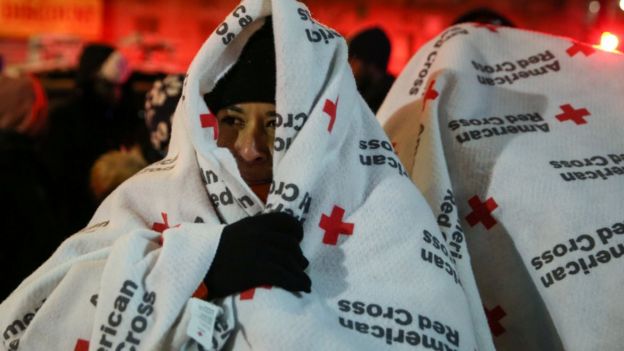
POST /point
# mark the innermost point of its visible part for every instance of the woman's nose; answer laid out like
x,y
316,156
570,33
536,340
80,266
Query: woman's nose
x,y
250,146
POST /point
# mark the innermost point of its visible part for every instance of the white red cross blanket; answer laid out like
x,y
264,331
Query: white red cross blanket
x,y
379,278
515,140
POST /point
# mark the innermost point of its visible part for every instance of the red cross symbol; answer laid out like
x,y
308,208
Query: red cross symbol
x,y
494,316
490,27
430,94
249,294
82,345
208,120
330,108
482,212
161,227
579,47
334,226
571,114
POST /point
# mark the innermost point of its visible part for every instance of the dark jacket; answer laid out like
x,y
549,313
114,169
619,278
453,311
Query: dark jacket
x,y
30,225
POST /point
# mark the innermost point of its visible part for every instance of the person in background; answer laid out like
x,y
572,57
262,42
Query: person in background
x,y
369,53
27,213
93,121
484,15
23,105
115,166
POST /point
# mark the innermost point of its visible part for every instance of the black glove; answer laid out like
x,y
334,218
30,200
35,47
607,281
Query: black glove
x,y
259,250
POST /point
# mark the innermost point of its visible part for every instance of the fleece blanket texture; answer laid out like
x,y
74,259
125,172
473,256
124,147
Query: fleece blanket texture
x,y
515,140
381,277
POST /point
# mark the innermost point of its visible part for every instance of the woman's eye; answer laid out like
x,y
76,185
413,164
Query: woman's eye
x,y
232,121
271,123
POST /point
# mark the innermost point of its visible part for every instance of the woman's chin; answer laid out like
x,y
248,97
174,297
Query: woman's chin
x,y
256,180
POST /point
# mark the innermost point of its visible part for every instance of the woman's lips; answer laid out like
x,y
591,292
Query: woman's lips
x,y
256,174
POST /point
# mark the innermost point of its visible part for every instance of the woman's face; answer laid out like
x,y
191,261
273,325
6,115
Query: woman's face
x,y
248,130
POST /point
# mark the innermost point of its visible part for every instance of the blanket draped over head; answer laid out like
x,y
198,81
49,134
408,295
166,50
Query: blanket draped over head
x,y
515,140
381,276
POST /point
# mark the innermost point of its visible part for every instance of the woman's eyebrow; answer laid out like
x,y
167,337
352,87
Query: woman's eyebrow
x,y
272,114
235,109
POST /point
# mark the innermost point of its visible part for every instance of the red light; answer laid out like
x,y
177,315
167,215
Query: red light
x,y
609,41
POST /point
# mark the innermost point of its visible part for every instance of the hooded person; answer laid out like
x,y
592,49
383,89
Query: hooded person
x,y
244,102
343,254
528,156
369,53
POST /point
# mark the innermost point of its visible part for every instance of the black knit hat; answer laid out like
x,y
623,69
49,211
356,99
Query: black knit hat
x,y
252,78
372,46
91,60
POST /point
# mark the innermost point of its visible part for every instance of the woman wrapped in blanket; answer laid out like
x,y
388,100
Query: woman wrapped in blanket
x,y
244,102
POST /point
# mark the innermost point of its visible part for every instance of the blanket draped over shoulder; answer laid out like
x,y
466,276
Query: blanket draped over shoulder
x,y
515,140
381,275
